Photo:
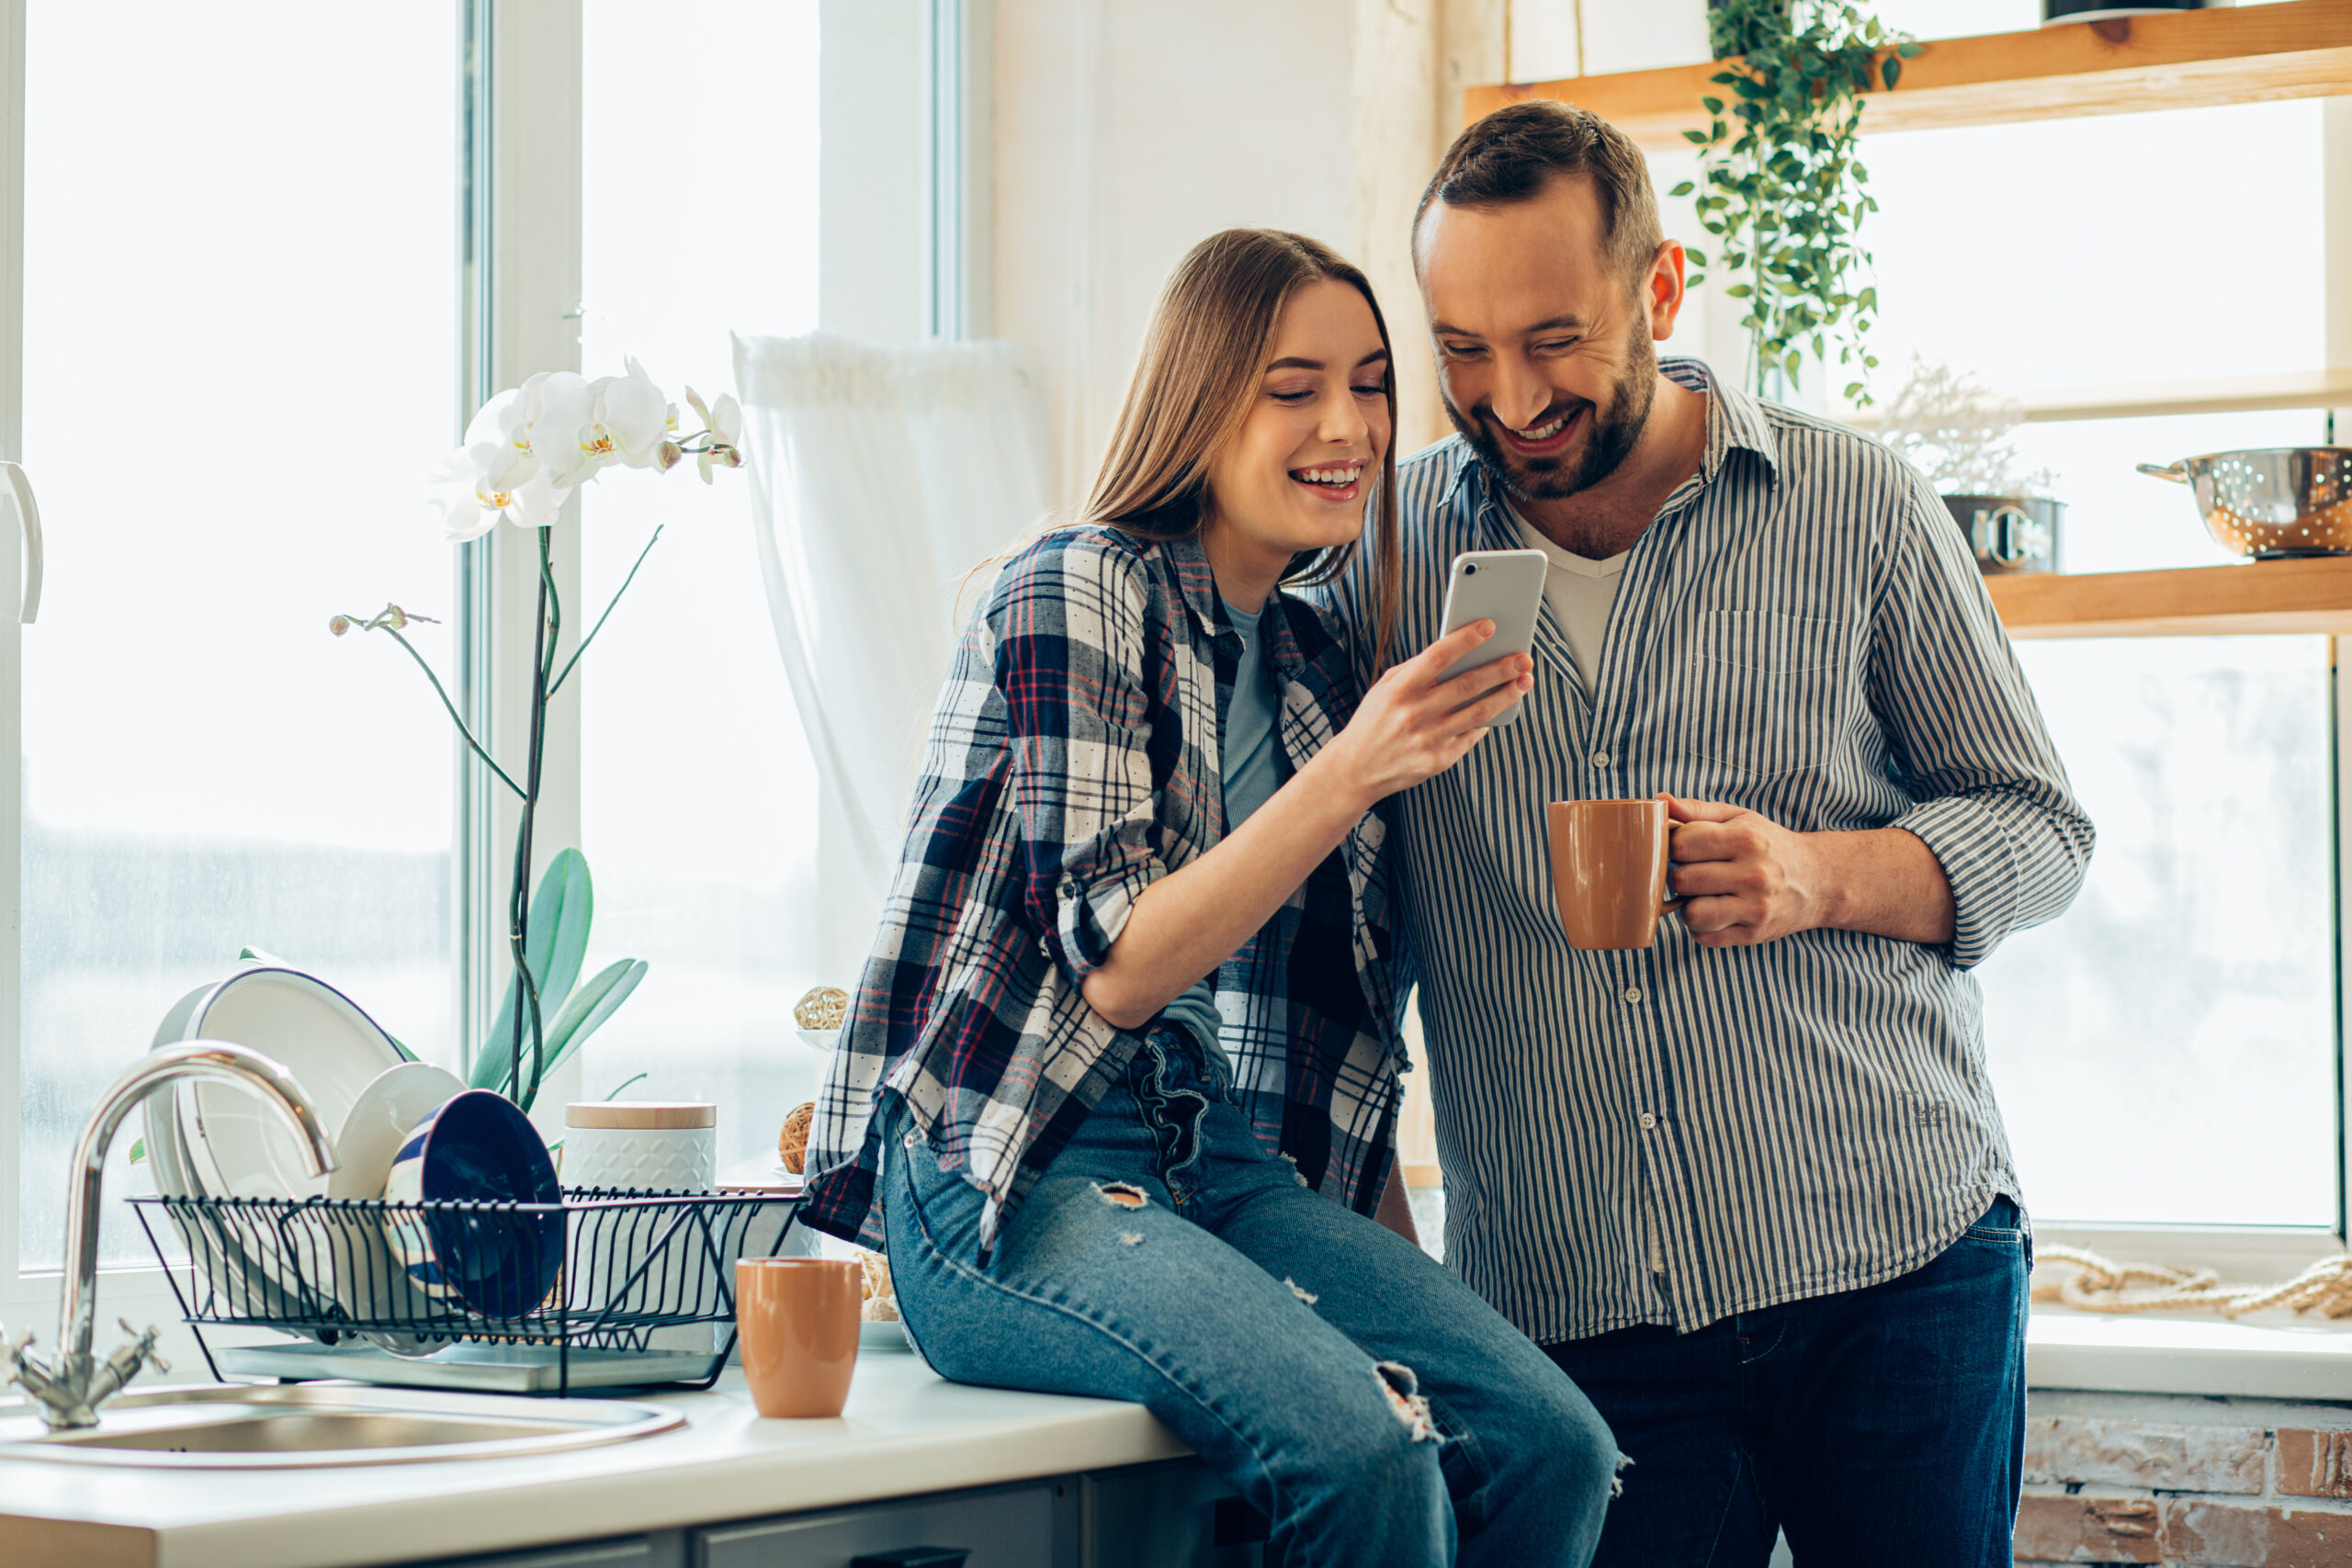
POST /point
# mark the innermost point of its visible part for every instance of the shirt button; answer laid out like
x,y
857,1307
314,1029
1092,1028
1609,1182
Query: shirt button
x,y
1602,759
1649,1123
1632,993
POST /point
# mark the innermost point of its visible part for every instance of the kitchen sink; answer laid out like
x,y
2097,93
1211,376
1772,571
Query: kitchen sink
x,y
266,1427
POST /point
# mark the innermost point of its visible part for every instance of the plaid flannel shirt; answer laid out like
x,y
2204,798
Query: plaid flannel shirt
x,y
1072,762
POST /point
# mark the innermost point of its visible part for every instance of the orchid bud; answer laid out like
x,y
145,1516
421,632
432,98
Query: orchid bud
x,y
670,454
340,624
394,618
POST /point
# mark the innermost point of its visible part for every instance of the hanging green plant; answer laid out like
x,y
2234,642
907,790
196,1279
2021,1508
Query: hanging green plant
x,y
1784,193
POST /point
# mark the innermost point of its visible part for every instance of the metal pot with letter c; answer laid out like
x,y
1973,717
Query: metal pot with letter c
x,y
2009,535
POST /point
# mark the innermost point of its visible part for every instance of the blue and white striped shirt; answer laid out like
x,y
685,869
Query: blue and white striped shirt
x,y
1676,1134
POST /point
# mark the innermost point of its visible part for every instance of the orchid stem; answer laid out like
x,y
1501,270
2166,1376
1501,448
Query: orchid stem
x,y
545,635
565,673
442,692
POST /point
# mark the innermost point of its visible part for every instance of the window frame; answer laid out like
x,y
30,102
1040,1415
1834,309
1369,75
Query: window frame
x,y
2259,1252
517,275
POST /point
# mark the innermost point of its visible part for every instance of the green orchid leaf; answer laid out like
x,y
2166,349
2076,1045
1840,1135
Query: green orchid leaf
x,y
562,912
585,1012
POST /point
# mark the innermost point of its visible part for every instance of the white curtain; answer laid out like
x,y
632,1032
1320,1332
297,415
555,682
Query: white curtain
x,y
880,478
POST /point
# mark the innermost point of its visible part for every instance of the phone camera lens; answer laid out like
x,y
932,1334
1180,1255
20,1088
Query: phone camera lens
x,y
1471,570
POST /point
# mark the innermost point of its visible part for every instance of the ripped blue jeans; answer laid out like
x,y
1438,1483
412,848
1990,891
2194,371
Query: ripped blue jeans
x,y
1359,1395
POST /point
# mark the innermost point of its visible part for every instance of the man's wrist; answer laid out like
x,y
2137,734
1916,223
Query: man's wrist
x,y
1829,879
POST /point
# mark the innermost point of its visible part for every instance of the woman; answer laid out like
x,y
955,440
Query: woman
x,y
1118,1087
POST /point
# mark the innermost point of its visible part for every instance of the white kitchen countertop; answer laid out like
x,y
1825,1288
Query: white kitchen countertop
x,y
905,1431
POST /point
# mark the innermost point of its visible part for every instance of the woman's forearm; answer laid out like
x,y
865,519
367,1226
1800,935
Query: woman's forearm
x,y
1188,922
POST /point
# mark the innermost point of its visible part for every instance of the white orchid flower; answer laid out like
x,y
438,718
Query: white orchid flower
x,y
722,424
637,372
510,417
585,426
636,415
489,480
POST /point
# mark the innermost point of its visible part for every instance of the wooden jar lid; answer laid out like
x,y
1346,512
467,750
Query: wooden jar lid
x,y
641,1115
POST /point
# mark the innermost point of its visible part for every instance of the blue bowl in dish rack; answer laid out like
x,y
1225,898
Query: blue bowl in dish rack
x,y
493,1259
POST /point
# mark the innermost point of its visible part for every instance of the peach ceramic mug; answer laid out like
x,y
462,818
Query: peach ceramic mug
x,y
1610,863
797,1320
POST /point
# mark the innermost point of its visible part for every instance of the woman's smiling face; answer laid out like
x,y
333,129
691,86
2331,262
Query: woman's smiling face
x,y
1294,477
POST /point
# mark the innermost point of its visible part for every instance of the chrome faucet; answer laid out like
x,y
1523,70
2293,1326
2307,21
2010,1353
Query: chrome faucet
x,y
71,1389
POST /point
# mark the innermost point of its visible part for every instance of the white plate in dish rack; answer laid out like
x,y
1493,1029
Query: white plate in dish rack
x,y
231,1273
388,1109
233,1144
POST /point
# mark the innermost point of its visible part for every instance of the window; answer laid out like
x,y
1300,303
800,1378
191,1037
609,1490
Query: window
x,y
237,360
698,794
2187,1002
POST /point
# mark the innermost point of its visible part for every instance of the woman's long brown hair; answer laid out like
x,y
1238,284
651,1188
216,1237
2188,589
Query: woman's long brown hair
x,y
1203,357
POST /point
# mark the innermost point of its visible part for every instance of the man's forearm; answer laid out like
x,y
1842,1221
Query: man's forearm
x,y
1886,882
1744,879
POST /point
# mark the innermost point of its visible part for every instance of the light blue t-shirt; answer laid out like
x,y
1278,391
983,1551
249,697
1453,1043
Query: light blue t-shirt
x,y
1251,753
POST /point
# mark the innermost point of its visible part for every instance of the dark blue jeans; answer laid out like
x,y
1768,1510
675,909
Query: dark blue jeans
x,y
1875,1426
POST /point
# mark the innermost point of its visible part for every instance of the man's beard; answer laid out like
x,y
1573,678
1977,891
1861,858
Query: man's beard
x,y
1615,428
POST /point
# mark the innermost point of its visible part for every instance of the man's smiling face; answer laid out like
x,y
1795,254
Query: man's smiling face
x,y
1542,347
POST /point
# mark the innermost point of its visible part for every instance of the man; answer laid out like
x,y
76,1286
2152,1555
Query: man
x,y
1748,1186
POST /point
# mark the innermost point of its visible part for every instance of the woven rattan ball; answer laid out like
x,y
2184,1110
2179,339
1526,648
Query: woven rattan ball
x,y
823,1008
792,1145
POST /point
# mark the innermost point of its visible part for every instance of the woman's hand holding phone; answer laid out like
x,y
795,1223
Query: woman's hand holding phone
x,y
1412,726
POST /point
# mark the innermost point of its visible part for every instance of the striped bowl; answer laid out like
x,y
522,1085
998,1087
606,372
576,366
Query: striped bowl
x,y
493,1261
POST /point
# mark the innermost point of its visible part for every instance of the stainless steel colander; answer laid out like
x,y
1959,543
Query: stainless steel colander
x,y
2272,500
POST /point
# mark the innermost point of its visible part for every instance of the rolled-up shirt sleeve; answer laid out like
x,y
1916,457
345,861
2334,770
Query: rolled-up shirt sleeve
x,y
1070,633
1966,737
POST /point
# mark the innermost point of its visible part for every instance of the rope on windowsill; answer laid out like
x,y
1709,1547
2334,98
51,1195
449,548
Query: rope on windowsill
x,y
2093,1283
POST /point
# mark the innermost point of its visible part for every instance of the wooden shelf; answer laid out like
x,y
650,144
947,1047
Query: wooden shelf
x,y
2196,59
2205,601
2216,394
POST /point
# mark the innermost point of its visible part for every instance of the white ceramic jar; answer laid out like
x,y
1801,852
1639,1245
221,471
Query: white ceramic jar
x,y
641,1146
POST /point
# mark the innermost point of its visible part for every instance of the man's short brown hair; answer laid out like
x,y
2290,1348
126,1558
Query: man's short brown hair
x,y
1513,153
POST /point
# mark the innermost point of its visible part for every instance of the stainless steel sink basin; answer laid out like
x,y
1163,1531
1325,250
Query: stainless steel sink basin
x,y
233,1427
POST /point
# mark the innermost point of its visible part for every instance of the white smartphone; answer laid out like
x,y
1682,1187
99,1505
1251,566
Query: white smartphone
x,y
1502,586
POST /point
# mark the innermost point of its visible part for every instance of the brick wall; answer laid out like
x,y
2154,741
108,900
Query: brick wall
x,y
2179,1481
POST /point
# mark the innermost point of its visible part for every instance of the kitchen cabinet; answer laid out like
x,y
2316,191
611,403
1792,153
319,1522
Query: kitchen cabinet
x,y
1177,1514
1011,1527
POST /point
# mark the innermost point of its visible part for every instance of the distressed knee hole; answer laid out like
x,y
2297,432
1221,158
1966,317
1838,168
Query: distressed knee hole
x,y
1120,1194
1131,1238
1617,1479
1405,1400
1295,1174
1301,1291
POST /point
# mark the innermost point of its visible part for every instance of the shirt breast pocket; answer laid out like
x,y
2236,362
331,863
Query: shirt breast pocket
x,y
1767,689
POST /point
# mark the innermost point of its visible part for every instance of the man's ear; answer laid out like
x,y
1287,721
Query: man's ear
x,y
1662,290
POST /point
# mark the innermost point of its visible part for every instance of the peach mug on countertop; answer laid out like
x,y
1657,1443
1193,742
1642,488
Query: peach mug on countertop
x,y
1610,865
798,1321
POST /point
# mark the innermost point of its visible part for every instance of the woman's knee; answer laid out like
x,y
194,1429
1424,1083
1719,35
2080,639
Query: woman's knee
x,y
1369,1486
1576,1445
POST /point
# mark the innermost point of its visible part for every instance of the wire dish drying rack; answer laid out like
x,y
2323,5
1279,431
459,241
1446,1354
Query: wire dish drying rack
x,y
645,1295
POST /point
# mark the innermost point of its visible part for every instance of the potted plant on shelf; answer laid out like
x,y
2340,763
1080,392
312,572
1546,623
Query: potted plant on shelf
x,y
1784,192
1950,428
526,452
